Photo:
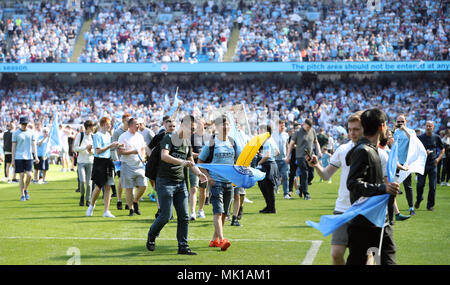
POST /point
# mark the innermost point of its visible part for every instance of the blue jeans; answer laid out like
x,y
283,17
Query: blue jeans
x,y
221,194
170,194
431,171
306,175
283,169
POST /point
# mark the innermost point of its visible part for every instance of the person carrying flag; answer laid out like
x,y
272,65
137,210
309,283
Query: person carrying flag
x,y
339,239
402,135
176,154
220,150
365,179
42,152
268,165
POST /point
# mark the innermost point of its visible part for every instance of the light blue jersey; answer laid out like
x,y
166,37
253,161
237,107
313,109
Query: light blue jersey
x,y
223,154
24,144
270,149
41,149
100,140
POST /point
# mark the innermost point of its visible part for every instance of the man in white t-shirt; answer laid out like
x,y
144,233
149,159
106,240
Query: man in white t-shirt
x,y
339,240
132,169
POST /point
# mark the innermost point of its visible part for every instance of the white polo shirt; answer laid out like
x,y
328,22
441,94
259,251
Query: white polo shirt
x,y
338,160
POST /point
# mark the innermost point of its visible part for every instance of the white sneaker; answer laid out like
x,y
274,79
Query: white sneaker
x,y
201,214
108,214
192,218
287,197
442,183
90,211
448,184
247,200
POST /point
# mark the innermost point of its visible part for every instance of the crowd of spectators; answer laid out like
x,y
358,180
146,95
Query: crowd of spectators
x,y
283,30
328,103
45,32
347,31
136,34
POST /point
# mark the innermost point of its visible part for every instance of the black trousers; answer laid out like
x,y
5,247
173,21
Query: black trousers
x,y
292,173
445,177
408,191
361,238
268,190
269,183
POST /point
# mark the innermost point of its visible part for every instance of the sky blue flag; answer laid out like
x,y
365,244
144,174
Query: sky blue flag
x,y
373,208
236,134
166,104
53,135
240,176
175,103
392,162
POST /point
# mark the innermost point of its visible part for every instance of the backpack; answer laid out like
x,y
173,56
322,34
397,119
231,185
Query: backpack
x,y
151,167
212,148
81,139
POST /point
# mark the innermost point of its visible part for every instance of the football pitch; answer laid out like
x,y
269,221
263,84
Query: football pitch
x,y
52,229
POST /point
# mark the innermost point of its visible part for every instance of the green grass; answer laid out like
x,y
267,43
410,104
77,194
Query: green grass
x,y
48,228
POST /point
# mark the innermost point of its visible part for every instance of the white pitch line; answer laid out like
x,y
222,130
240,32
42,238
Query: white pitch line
x,y
169,239
312,252
309,258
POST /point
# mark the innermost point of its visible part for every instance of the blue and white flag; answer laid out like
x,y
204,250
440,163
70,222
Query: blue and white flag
x,y
415,160
53,135
373,208
240,176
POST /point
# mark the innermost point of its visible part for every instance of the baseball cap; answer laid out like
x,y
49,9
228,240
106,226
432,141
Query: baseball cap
x,y
24,120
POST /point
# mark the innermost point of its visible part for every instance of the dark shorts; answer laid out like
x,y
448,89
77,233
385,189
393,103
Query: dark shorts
x,y
43,164
23,165
8,158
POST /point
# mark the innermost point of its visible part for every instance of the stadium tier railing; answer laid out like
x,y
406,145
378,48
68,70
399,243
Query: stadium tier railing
x,y
372,66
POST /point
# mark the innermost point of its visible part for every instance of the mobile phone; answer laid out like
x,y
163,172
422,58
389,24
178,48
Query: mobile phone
x,y
307,154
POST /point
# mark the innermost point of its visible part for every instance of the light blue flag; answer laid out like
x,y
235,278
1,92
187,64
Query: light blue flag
x,y
240,176
392,162
53,135
373,208
166,104
236,135
175,103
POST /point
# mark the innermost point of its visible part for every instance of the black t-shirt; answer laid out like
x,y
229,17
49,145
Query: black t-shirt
x,y
432,143
181,149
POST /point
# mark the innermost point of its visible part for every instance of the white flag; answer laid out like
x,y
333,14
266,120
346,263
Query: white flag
x,y
416,159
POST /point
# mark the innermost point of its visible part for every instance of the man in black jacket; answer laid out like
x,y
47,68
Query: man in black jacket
x,y
365,179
